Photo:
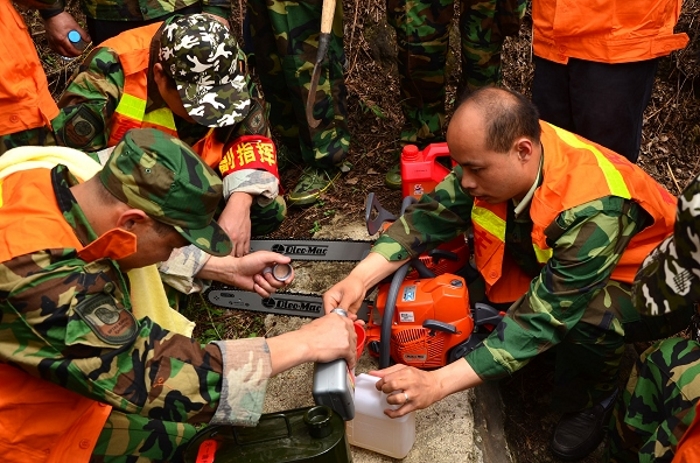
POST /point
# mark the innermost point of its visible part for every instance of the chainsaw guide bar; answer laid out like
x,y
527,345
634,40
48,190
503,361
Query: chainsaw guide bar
x,y
292,304
316,250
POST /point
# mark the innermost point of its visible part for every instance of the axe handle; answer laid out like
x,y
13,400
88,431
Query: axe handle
x,y
327,14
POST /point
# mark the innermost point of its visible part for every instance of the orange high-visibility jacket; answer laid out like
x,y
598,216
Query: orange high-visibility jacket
x,y
133,48
575,171
24,92
688,450
611,31
41,422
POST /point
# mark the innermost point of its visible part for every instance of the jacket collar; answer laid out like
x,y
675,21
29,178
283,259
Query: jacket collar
x,y
521,205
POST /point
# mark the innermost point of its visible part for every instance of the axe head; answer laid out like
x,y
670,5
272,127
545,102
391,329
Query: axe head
x,y
311,98
324,40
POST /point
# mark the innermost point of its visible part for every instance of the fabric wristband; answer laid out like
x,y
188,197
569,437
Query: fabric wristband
x,y
49,13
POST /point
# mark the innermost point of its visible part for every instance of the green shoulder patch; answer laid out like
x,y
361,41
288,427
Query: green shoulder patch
x,y
255,122
80,127
112,324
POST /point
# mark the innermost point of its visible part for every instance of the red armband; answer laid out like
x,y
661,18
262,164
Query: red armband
x,y
249,152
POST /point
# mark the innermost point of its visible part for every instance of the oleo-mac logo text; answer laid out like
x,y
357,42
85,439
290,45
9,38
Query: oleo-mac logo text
x,y
293,250
307,307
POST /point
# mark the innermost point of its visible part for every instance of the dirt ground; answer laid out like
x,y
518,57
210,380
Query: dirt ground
x,y
670,153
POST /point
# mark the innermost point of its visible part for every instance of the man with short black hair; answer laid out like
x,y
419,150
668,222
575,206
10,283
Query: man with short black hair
x,y
560,225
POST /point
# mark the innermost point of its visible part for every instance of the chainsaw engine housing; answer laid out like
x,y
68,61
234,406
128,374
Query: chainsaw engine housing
x,y
431,318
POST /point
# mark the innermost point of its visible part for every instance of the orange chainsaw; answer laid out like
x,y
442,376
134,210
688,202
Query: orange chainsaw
x,y
421,317
428,321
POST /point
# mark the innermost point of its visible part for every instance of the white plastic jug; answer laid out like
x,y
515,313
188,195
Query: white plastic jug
x,y
372,429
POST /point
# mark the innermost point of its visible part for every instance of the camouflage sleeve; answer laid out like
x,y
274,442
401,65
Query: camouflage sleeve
x,y
89,101
256,182
587,244
247,367
181,267
436,218
70,323
668,277
658,404
135,10
257,121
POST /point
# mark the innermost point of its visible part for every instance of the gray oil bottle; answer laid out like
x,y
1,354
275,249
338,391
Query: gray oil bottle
x,y
334,385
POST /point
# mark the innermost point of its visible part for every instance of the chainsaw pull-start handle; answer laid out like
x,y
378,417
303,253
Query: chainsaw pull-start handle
x,y
422,269
437,325
437,254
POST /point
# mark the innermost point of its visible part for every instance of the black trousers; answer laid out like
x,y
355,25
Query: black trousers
x,y
601,102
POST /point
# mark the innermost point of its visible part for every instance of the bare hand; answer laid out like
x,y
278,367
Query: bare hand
x,y
402,382
57,29
247,272
324,339
332,337
235,220
255,263
347,294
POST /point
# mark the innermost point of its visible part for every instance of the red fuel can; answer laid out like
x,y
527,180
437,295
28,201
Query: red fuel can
x,y
420,170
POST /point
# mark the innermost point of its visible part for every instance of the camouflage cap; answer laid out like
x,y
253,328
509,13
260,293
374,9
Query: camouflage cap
x,y
203,58
161,175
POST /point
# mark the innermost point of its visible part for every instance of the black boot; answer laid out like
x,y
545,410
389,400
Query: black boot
x,y
578,434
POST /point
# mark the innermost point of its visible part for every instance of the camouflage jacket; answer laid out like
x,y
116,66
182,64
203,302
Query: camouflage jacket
x,y
668,277
585,251
51,300
143,10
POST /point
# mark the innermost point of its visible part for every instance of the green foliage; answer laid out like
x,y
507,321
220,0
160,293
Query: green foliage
x,y
369,106
316,227
214,323
216,328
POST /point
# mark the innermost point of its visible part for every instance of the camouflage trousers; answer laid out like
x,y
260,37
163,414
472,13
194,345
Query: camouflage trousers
x,y
284,41
41,136
587,360
266,219
129,438
422,33
658,403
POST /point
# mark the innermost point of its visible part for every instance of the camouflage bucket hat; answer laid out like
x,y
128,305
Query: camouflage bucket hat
x,y
161,175
203,58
